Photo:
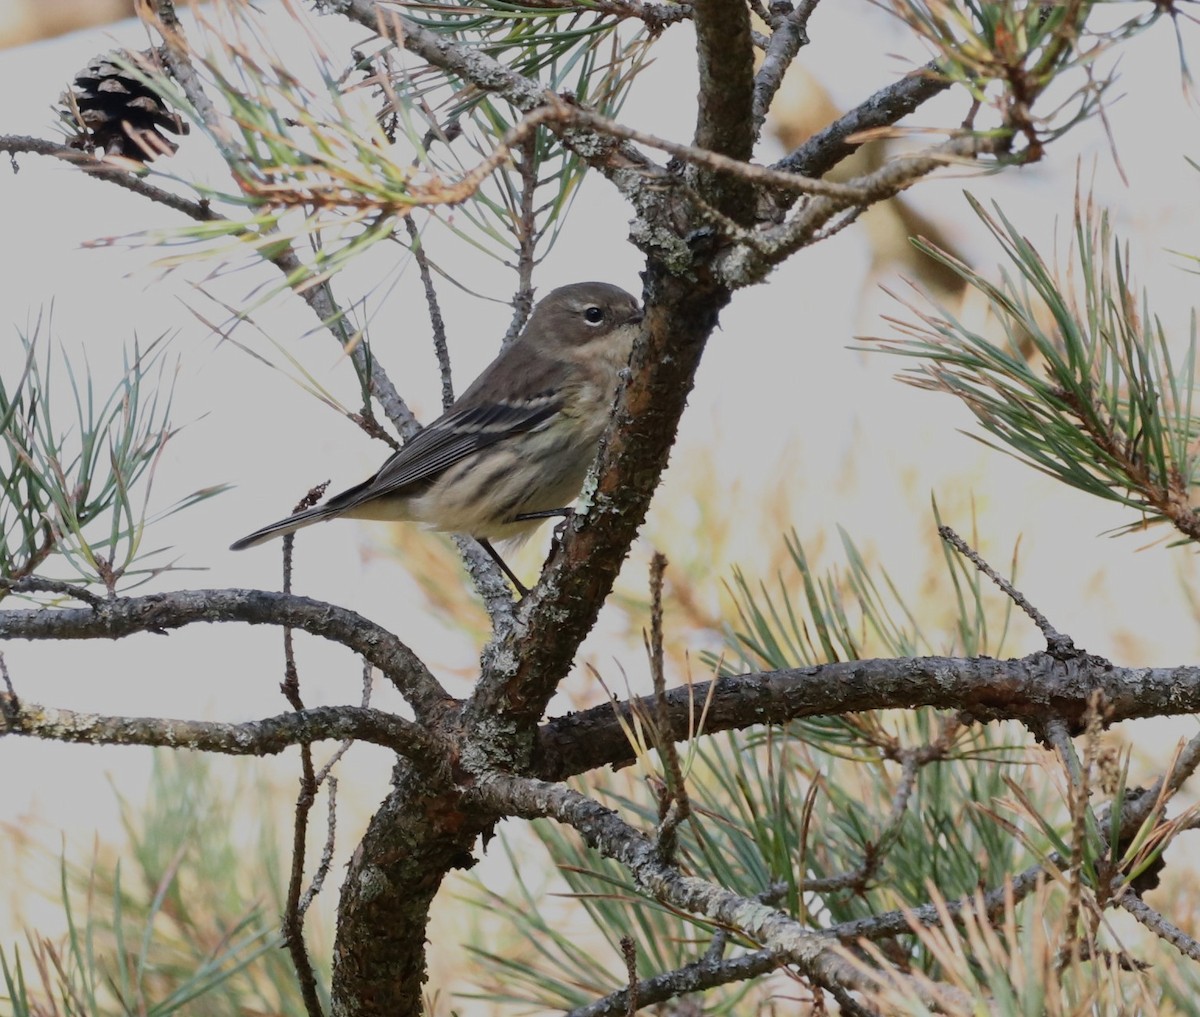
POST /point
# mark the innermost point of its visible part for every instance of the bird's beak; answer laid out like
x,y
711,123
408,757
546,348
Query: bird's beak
x,y
637,317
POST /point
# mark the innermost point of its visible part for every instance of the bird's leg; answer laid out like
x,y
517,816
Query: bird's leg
x,y
522,591
565,513
544,514
495,556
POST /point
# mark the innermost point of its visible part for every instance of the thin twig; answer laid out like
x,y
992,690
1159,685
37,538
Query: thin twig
x,y
673,803
1185,765
694,977
900,921
577,116
912,761
111,172
177,57
318,880
762,13
1057,644
37,584
34,558
292,922
1159,925
755,256
629,952
716,947
436,321
527,237
320,299
1154,799
1059,738
342,749
874,851
850,1005
848,218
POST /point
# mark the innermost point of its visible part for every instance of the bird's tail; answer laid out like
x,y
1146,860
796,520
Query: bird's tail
x,y
284,526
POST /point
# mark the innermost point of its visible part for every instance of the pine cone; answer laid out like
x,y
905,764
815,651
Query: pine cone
x,y
109,109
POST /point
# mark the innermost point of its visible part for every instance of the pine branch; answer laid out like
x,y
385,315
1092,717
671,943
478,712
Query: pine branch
x,y
790,33
724,116
125,616
604,831
825,149
264,737
1031,689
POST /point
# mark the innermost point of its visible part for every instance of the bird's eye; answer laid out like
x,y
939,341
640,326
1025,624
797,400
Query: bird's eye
x,y
593,315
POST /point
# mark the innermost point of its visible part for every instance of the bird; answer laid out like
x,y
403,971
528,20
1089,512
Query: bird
x,y
515,447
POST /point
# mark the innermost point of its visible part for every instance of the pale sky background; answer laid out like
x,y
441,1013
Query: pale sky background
x,y
778,396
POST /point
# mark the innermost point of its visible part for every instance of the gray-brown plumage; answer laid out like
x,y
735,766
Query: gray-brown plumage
x,y
518,441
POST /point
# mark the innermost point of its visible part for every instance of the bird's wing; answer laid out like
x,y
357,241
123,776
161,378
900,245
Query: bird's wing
x,y
448,440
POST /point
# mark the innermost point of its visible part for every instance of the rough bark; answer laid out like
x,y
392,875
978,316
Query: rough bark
x,y
1031,689
419,834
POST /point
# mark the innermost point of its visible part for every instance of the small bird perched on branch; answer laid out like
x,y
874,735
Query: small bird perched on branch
x,y
513,449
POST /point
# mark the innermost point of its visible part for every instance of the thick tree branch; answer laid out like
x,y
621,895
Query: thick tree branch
x,y
814,953
790,34
825,149
714,971
159,612
724,115
1030,689
418,834
252,738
